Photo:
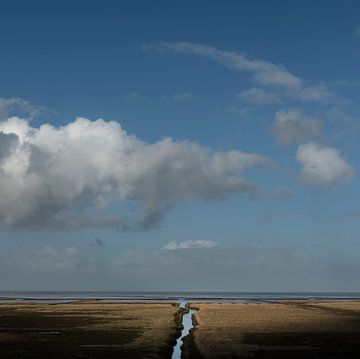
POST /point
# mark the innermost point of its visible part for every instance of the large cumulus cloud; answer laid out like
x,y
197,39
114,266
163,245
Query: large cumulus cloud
x,y
58,176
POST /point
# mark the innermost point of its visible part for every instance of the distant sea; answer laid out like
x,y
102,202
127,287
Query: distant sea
x,y
69,296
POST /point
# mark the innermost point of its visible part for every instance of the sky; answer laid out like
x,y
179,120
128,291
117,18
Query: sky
x,y
180,145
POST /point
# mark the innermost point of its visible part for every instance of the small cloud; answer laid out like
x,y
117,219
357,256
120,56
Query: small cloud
x,y
258,96
173,245
239,110
282,192
267,217
347,83
357,32
314,93
352,215
97,242
19,107
176,97
292,126
135,96
322,165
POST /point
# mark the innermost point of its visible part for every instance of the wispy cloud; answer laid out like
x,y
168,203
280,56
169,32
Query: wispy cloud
x,y
135,97
19,107
173,245
176,97
264,72
258,96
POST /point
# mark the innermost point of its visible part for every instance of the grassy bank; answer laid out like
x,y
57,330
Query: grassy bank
x,y
279,330
88,330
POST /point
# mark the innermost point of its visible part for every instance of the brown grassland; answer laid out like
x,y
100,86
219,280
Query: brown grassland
x,y
88,330
94,329
295,329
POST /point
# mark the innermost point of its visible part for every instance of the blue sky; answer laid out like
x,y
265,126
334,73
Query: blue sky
x,y
238,145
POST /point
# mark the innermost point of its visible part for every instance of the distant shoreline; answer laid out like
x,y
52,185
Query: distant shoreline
x,y
170,297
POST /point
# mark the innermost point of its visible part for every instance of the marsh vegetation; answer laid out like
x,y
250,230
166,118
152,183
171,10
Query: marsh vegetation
x,y
294,329
88,330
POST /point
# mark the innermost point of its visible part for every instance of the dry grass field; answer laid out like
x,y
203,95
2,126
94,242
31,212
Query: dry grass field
x,y
88,330
280,330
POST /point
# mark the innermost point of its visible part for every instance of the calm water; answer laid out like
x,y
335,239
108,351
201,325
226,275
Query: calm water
x,y
187,325
173,296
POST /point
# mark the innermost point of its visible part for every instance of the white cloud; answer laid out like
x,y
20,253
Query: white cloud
x,y
258,96
265,73
173,245
135,97
292,126
51,176
18,106
314,93
322,165
176,97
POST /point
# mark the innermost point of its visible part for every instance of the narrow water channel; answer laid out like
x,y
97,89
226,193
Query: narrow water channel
x,y
187,325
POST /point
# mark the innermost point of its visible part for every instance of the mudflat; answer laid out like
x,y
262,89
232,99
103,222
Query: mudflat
x,y
88,330
294,329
